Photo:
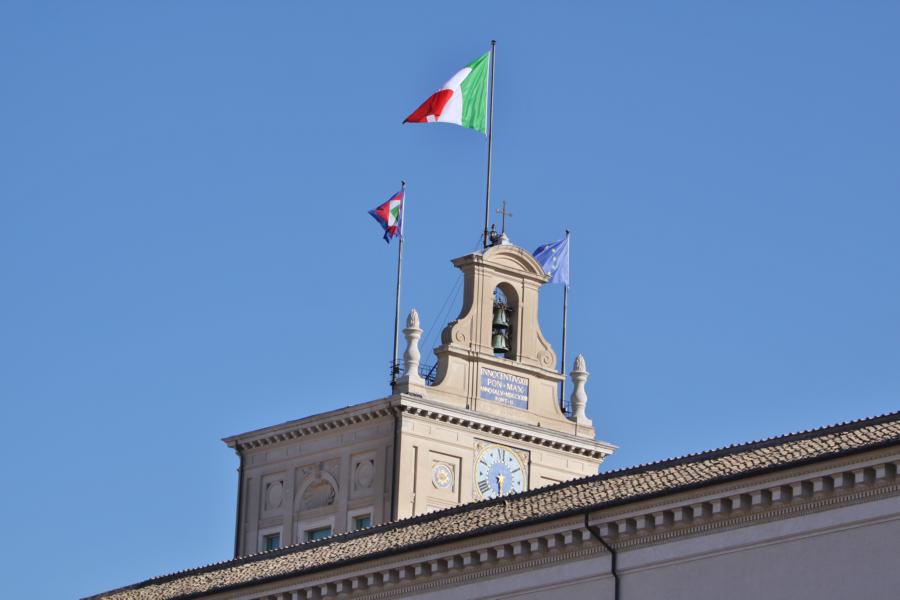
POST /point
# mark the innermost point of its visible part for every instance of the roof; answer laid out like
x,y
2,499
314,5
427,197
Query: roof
x,y
543,504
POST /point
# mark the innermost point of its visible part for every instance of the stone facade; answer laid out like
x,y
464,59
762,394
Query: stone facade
x,y
318,472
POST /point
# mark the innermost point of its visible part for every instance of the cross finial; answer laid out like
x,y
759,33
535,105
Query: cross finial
x,y
503,214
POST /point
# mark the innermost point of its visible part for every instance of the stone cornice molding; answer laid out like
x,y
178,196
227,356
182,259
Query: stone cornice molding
x,y
312,425
717,490
412,405
490,424
843,482
407,575
750,518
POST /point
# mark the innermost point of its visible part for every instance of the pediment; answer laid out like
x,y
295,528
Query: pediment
x,y
515,259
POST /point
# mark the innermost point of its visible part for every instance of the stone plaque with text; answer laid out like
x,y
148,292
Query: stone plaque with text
x,y
504,388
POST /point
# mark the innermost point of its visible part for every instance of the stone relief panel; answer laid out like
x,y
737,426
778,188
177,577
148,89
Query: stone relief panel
x,y
317,494
273,494
362,474
317,484
333,468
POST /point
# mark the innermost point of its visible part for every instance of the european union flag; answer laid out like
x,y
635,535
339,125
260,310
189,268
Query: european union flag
x,y
554,259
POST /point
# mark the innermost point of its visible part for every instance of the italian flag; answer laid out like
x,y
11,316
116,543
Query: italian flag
x,y
461,101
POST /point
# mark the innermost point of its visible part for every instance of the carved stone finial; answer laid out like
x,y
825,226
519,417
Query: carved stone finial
x,y
579,363
412,356
579,396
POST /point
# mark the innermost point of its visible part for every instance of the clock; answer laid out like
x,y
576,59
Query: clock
x,y
442,476
498,471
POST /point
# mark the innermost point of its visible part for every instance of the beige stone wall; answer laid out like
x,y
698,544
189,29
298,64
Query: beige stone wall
x,y
428,443
323,470
320,480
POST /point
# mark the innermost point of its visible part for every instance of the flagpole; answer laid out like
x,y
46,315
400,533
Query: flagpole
x,y
562,396
490,132
395,366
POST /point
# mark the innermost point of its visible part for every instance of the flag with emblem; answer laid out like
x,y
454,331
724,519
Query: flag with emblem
x,y
390,216
461,101
554,259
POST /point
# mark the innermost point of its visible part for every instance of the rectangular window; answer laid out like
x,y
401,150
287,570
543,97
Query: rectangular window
x,y
272,541
317,533
362,521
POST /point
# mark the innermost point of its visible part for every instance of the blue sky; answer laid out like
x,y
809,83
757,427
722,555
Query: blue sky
x,y
185,252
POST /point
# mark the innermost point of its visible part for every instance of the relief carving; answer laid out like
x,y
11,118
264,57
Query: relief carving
x,y
364,475
332,467
307,472
546,358
274,495
316,495
318,483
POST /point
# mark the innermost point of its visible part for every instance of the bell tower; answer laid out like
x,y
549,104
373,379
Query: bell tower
x,y
487,424
490,423
493,359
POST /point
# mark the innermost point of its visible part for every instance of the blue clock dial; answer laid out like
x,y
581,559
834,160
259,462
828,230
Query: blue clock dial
x,y
498,471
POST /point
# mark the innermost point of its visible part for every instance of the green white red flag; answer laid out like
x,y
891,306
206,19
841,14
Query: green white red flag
x,y
390,215
461,101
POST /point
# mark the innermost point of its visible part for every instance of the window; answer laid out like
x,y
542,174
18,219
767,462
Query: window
x,y
360,518
362,521
272,541
317,534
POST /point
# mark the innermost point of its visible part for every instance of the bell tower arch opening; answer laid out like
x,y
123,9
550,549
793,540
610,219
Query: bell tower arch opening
x,y
503,324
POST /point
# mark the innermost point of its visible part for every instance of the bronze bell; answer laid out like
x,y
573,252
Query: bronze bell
x,y
501,319
500,342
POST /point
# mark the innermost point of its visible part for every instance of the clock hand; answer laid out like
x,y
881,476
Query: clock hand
x,y
500,478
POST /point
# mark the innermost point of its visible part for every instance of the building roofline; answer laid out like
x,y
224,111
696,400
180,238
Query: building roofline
x,y
336,416
561,514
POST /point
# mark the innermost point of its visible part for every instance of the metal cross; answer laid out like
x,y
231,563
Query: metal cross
x,y
504,214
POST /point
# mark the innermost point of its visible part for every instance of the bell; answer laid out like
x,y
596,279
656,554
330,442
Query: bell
x,y
500,342
501,320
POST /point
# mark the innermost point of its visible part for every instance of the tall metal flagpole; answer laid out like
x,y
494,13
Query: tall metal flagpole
x,y
562,369
395,366
490,132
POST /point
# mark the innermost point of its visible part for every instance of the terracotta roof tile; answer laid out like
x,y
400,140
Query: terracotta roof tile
x,y
555,501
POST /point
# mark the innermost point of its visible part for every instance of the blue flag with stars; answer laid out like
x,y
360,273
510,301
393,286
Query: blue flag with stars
x,y
554,259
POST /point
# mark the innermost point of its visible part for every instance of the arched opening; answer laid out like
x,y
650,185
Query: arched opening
x,y
503,329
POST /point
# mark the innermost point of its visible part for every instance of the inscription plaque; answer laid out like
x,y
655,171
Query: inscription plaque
x,y
504,388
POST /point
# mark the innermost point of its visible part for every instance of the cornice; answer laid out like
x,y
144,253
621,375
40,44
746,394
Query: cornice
x,y
412,405
463,578
312,425
770,516
767,480
805,491
477,421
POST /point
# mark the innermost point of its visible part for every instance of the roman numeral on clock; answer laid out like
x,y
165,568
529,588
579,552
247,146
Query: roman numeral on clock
x,y
484,486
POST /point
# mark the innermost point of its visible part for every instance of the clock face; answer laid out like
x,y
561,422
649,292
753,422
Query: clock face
x,y
442,477
498,471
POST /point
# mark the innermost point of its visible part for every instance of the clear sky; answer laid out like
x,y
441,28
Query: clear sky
x,y
185,252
